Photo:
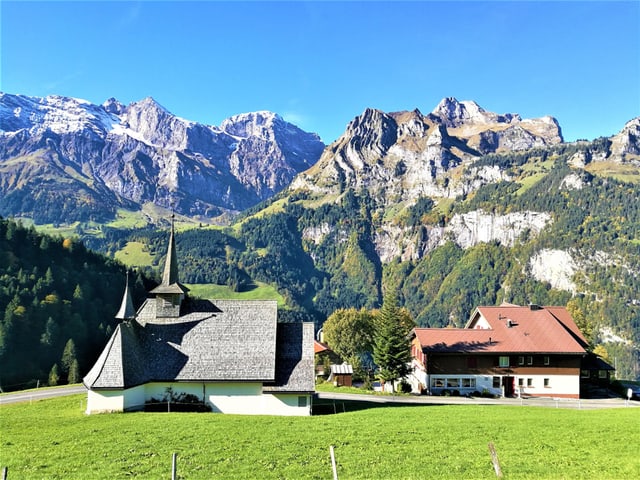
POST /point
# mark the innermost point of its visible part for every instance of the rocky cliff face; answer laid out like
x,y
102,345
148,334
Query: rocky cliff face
x,y
401,156
397,158
64,159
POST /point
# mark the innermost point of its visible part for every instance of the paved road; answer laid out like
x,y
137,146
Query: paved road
x,y
40,394
585,404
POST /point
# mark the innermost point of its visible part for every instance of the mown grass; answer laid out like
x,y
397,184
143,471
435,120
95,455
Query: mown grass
x,y
620,171
134,254
53,439
262,291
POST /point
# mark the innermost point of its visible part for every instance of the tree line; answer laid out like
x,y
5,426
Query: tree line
x,y
57,306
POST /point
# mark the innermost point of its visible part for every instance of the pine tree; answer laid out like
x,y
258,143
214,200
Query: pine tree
x,y
74,372
54,375
391,349
68,356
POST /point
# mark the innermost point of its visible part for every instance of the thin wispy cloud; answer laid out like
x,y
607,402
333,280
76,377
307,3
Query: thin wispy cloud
x,y
130,15
58,84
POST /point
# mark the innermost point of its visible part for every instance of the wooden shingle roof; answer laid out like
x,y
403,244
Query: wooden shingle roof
x,y
222,340
294,359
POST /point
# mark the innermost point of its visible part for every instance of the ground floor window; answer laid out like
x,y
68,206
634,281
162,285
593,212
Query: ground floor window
x,y
302,401
546,382
529,382
496,382
453,382
521,382
468,383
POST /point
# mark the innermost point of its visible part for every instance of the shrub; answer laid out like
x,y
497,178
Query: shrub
x,y
403,387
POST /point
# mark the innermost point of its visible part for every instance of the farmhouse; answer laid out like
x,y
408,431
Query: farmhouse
x,y
504,350
223,355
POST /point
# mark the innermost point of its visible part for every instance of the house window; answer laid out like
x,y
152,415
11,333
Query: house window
x,y
529,360
302,401
468,383
585,373
521,360
521,382
453,382
504,361
496,382
529,382
437,383
602,373
546,383
546,359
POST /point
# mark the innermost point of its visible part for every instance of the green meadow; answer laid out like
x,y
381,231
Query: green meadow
x,y
54,439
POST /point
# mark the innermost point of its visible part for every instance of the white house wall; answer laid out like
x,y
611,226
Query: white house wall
x,y
134,398
287,404
236,398
104,401
565,386
558,385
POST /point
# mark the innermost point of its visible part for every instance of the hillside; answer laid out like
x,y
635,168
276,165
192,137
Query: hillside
x,y
57,305
457,208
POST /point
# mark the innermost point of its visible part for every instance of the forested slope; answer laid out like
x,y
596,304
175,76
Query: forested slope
x,y
57,302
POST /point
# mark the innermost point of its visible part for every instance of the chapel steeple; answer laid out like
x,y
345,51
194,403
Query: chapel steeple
x,y
170,274
127,311
170,293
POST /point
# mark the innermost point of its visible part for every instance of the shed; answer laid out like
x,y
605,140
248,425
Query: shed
x,y
341,375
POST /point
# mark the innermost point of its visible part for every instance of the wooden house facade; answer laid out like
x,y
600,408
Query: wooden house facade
x,y
507,350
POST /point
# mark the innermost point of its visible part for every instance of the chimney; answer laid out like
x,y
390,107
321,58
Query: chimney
x,y
534,307
509,323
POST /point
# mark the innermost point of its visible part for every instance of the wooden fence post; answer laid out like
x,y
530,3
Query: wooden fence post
x,y
174,466
333,463
494,459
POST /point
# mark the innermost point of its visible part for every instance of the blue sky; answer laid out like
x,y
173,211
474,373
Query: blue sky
x,y
320,64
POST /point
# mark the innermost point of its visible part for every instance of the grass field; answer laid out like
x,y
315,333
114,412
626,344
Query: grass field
x,y
134,254
53,439
262,291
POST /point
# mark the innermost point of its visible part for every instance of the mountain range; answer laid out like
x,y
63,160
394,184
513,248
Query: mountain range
x,y
64,159
457,207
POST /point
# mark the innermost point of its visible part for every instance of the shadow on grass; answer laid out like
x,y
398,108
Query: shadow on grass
x,y
333,407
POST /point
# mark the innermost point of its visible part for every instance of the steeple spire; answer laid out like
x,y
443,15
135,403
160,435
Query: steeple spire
x,y
170,274
170,284
127,311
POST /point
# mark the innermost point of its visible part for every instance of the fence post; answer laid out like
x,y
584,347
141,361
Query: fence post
x,y
333,463
494,460
5,471
174,466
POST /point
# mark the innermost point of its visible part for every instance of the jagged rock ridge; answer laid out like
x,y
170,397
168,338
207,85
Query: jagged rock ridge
x,y
64,159
404,155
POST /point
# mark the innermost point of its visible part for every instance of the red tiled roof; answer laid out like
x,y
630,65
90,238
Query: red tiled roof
x,y
508,329
319,347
